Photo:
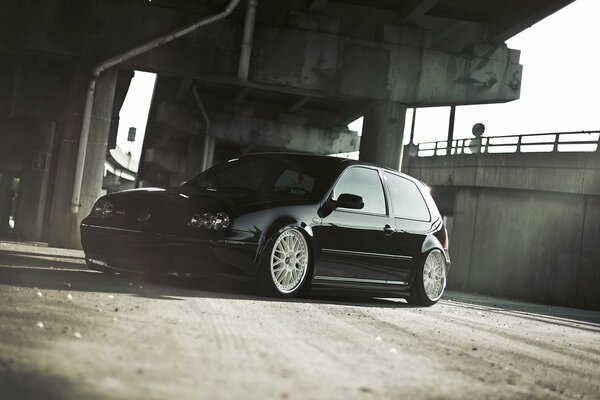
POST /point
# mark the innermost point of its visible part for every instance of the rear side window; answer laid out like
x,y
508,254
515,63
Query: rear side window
x,y
363,182
407,200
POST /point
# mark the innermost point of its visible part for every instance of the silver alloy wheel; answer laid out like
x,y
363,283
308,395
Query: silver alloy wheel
x,y
289,261
434,275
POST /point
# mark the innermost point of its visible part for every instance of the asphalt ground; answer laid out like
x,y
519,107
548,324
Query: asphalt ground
x,y
70,333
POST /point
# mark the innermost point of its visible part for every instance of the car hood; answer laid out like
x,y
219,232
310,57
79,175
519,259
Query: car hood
x,y
201,200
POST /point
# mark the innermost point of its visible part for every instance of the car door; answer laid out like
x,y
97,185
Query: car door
x,y
412,220
358,246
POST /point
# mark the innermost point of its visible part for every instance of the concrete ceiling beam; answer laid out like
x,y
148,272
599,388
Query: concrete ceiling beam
x,y
510,21
317,5
242,95
298,104
282,135
413,11
325,65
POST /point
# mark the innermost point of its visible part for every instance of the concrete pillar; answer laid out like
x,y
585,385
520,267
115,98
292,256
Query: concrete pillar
x,y
61,221
33,186
383,134
6,179
93,171
64,226
208,151
193,165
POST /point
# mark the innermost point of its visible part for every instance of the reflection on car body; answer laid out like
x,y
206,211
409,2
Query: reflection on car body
x,y
288,222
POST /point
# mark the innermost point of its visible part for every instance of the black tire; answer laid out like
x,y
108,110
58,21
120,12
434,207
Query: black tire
x,y
426,291
284,270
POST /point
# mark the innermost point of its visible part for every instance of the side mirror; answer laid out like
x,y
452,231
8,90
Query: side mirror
x,y
347,200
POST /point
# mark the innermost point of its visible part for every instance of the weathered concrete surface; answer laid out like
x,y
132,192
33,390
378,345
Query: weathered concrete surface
x,y
327,65
383,132
523,225
289,133
574,172
260,132
119,337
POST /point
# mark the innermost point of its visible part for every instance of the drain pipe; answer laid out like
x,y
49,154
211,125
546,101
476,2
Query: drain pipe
x,y
206,148
111,62
247,39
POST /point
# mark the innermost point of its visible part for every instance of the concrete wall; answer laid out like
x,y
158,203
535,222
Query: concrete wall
x,y
530,245
525,230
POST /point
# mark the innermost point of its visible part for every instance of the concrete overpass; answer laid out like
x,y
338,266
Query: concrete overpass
x,y
233,78
522,224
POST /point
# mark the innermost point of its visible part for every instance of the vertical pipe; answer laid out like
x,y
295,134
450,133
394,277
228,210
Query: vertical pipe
x,y
113,61
83,140
412,126
207,145
450,130
247,39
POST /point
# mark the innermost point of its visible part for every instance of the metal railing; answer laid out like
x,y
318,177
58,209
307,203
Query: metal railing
x,y
583,141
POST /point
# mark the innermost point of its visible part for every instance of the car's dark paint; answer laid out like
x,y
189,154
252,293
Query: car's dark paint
x,y
350,249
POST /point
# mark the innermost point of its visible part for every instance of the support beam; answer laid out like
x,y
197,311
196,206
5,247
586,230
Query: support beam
x,y
64,226
413,11
242,95
286,136
335,67
318,5
300,103
184,89
511,21
383,133
34,180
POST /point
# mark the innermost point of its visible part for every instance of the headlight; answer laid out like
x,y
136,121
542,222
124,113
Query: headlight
x,y
221,221
218,221
102,209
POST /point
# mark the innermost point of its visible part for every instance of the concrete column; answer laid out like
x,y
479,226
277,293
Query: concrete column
x,y
61,221
383,133
33,185
93,171
64,226
6,178
193,165
208,152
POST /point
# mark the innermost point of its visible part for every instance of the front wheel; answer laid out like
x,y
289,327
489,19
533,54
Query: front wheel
x,y
430,280
285,264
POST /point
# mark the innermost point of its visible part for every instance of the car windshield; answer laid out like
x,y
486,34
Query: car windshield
x,y
268,174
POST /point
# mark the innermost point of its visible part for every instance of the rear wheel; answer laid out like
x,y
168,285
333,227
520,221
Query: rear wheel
x,y
430,280
285,264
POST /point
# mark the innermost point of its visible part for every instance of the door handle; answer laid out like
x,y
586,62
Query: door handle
x,y
388,230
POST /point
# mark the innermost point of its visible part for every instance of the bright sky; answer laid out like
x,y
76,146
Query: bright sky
x,y
134,112
560,88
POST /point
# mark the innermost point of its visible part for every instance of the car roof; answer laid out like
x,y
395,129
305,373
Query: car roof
x,y
331,160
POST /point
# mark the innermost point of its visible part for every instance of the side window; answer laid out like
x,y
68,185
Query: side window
x,y
407,200
363,182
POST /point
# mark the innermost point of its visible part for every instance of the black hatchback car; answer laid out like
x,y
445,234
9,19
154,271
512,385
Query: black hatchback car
x,y
288,222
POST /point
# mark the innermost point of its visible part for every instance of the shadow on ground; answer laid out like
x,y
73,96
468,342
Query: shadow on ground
x,y
24,269
47,270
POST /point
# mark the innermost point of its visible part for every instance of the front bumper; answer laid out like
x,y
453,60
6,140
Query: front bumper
x,y
152,252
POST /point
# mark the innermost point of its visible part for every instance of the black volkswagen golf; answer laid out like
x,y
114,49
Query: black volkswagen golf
x,y
287,222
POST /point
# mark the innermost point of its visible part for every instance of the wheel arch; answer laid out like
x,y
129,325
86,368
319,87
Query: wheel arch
x,y
277,227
